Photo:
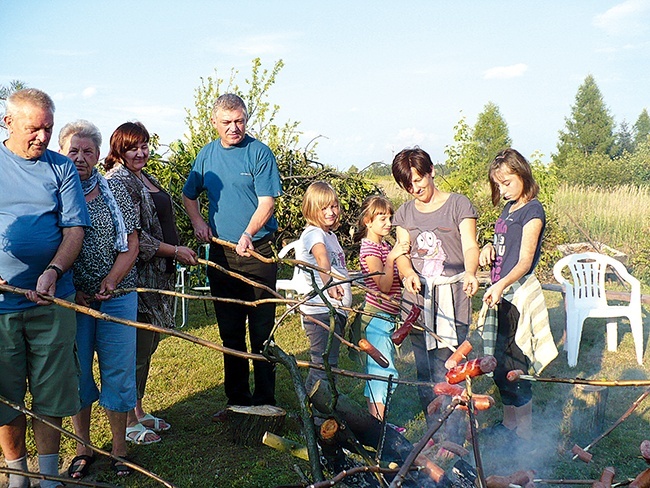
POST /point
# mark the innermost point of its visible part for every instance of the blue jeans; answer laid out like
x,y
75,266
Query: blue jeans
x,y
318,337
115,346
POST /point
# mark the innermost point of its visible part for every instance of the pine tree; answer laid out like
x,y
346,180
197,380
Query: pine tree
x,y
590,129
641,128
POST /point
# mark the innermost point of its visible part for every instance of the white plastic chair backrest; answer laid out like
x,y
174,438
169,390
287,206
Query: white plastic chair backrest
x,y
588,272
299,281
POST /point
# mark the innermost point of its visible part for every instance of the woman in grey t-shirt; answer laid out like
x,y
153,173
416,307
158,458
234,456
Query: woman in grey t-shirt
x,y
439,273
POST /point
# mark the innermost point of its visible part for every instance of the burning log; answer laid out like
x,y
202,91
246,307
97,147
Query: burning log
x,y
470,369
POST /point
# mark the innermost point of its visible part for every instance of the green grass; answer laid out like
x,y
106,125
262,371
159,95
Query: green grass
x,y
186,388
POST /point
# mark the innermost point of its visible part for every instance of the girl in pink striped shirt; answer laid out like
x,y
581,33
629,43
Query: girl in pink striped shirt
x,y
376,255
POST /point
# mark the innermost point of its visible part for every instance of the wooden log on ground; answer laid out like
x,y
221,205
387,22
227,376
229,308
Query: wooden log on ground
x,y
247,425
285,445
588,411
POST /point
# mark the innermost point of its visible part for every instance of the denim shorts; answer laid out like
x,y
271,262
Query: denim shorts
x,y
115,345
37,347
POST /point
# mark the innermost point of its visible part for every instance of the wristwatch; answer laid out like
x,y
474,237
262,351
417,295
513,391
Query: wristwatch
x,y
59,271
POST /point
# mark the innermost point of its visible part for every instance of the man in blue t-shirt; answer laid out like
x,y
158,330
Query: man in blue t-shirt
x,y
242,181
42,218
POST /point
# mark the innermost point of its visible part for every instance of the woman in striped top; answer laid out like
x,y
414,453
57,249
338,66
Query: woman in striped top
x,y
376,256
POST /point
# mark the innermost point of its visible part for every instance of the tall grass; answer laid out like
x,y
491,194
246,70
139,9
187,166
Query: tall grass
x,y
618,217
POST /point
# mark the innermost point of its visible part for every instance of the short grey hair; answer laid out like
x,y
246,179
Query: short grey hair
x,y
81,128
28,96
229,101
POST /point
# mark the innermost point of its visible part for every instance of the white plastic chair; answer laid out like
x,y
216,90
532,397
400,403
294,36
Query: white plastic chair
x,y
585,297
299,283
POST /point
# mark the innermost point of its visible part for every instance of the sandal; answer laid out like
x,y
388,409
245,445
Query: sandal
x,y
120,468
138,434
159,425
80,465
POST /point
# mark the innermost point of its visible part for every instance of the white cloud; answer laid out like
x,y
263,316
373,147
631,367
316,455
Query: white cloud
x,y
89,92
624,18
505,72
410,137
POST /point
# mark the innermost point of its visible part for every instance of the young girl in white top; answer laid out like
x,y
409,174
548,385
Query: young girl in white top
x,y
375,256
320,247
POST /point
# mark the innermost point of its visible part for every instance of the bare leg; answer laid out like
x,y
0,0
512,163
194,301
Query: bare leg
x,y
117,421
376,409
509,417
47,439
12,438
525,421
132,420
81,424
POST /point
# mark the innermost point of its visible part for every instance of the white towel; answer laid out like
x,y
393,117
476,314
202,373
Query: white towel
x,y
445,320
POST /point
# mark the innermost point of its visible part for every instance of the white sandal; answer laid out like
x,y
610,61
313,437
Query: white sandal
x,y
156,423
141,433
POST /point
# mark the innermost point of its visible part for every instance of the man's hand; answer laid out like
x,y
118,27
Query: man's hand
x,y
45,285
202,231
245,243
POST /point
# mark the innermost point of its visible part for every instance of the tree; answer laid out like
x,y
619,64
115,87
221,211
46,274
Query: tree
x,y
589,130
474,148
641,128
298,166
5,91
491,134
624,140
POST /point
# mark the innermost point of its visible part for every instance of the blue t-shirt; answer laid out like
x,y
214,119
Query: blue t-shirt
x,y
234,178
508,231
38,198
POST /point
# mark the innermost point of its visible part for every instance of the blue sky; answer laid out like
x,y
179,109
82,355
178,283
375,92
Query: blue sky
x,y
371,77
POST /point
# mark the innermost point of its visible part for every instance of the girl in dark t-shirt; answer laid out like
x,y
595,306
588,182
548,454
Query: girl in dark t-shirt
x,y
514,254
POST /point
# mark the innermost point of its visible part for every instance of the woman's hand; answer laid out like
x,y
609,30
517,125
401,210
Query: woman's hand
x,y
412,283
470,284
487,256
187,256
106,288
82,299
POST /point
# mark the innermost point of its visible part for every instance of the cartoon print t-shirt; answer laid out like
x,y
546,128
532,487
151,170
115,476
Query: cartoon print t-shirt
x,y
507,237
436,247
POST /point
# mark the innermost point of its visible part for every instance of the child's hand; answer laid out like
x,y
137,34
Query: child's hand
x,y
493,295
398,250
487,256
336,292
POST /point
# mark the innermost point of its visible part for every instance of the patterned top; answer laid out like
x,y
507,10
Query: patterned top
x,y
370,248
151,268
98,253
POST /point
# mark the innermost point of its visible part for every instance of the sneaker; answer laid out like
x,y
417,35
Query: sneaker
x,y
500,433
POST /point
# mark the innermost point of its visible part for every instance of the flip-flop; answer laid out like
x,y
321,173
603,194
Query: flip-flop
x,y
120,468
79,468
138,433
156,423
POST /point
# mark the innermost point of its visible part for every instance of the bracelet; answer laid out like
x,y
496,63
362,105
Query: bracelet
x,y
175,253
247,235
59,271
